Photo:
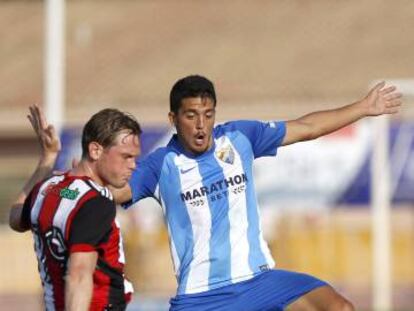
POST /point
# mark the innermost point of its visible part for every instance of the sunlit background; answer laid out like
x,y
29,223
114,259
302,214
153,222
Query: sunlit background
x,y
269,60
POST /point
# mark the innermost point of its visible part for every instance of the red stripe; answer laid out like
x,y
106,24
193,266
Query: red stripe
x,y
35,191
112,251
101,290
128,297
58,283
110,254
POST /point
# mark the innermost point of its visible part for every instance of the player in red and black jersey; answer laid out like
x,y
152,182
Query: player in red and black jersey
x,y
72,216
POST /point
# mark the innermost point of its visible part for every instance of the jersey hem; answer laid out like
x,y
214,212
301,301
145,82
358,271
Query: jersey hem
x,y
81,248
206,288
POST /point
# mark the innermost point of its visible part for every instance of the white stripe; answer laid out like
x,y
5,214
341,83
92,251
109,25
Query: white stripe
x,y
239,242
200,218
48,294
121,258
174,255
263,244
34,213
128,288
66,206
47,286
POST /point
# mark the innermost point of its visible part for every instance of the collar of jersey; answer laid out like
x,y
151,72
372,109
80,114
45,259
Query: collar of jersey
x,y
83,177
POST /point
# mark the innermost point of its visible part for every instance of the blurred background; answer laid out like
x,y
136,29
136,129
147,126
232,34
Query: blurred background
x,y
269,60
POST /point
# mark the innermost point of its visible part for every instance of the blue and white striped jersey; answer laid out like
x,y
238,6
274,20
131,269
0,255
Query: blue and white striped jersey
x,y
210,205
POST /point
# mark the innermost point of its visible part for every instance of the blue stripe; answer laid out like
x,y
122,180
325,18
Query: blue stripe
x,y
256,256
220,249
177,217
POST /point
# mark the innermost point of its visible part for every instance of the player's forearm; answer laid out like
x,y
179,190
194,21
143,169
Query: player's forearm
x,y
43,169
121,195
324,122
79,280
78,292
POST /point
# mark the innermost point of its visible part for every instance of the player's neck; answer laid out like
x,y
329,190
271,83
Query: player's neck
x,y
86,168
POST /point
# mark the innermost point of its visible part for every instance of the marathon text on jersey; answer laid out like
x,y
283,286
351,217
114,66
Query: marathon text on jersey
x,y
220,185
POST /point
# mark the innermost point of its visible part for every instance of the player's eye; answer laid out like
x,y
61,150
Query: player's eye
x,y
209,115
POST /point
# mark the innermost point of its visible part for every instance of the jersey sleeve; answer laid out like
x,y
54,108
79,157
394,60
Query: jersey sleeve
x,y
25,221
265,137
91,224
145,178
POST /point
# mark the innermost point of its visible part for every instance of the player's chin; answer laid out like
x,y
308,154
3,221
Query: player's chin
x,y
197,149
119,183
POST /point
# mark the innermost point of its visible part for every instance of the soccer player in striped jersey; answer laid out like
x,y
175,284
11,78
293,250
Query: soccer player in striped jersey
x,y
204,182
72,215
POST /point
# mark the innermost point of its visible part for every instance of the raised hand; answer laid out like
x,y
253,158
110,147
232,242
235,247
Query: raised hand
x,y
46,133
50,147
382,100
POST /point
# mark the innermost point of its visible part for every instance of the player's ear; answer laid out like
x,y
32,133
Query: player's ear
x,y
95,150
173,118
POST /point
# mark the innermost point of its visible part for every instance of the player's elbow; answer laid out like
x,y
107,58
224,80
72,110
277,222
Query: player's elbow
x,y
313,132
310,133
16,227
15,222
301,130
343,305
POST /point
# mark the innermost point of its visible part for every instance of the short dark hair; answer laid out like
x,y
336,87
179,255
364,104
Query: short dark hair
x,y
191,86
103,127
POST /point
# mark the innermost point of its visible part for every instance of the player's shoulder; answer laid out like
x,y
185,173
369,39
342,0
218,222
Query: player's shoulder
x,y
50,181
95,196
155,157
235,126
102,202
76,188
242,125
158,153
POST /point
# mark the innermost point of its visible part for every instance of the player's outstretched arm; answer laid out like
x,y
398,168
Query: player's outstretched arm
x,y
379,100
121,195
50,147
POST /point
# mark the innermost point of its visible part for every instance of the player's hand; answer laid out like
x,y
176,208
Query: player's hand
x,y
382,100
46,133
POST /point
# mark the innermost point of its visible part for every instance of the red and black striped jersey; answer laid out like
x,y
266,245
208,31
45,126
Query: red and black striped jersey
x,y
73,214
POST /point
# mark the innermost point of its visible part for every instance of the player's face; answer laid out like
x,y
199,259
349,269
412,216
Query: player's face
x,y
194,122
117,162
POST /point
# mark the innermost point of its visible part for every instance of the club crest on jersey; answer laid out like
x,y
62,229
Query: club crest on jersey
x,y
56,244
69,193
226,154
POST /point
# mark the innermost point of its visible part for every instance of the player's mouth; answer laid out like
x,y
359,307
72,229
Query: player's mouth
x,y
200,139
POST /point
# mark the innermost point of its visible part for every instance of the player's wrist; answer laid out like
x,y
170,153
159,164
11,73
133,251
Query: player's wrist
x,y
362,107
48,159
